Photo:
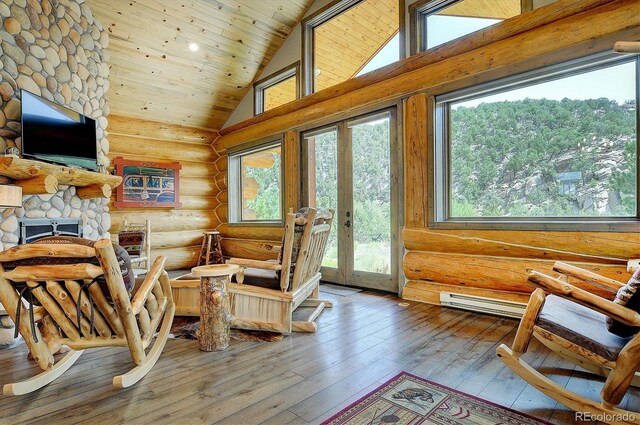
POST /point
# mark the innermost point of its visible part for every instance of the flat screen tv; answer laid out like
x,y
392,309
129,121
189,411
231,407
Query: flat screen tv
x,y
53,133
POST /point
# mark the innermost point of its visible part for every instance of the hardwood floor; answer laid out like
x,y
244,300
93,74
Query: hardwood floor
x,y
366,339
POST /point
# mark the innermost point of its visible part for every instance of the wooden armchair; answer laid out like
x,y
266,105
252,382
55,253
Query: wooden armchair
x,y
572,323
267,292
77,297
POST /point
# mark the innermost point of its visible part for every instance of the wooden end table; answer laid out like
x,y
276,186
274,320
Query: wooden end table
x,y
215,311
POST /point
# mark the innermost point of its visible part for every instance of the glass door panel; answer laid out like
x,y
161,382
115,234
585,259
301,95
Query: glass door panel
x,y
371,179
322,149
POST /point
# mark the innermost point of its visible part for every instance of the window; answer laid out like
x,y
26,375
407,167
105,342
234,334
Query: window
x,y
557,144
347,39
277,89
255,184
434,22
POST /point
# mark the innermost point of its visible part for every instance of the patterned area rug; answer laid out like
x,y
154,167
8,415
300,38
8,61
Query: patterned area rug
x,y
408,399
186,328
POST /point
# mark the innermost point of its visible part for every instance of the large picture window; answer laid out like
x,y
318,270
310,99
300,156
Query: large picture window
x,y
559,144
255,184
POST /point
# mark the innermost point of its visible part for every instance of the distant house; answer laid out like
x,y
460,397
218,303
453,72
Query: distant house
x,y
567,182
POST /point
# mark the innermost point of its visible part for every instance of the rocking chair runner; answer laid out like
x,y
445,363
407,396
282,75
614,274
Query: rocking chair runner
x,y
108,317
572,323
267,292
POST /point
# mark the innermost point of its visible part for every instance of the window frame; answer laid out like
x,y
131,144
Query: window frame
x,y
420,10
234,180
271,80
439,211
308,25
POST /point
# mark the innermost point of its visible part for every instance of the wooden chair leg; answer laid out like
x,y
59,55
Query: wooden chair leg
x,y
139,372
43,378
525,329
309,325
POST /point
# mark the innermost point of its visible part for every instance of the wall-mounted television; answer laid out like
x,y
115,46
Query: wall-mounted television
x,y
53,133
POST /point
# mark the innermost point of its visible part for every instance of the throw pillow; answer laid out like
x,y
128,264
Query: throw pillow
x,y
628,296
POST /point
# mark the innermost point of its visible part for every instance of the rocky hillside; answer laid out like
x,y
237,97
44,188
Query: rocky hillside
x,y
539,157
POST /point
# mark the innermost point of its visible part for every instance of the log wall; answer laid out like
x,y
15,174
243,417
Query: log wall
x,y
175,233
491,263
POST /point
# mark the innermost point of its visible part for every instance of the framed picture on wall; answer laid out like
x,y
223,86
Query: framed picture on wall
x,y
147,184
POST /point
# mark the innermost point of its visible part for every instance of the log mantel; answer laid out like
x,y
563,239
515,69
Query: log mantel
x,y
37,177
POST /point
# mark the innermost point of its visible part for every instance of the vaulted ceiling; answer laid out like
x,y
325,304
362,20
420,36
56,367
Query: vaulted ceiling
x,y
155,75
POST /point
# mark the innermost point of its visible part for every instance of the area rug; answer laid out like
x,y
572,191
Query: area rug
x,y
408,399
186,328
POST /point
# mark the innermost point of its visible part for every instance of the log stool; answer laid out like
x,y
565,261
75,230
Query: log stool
x,y
215,310
211,251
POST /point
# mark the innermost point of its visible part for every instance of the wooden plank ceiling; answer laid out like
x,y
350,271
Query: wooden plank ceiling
x,y
493,9
155,76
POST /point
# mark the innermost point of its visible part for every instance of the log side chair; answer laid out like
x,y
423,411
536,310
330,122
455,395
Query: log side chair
x,y
48,290
574,323
265,293
136,240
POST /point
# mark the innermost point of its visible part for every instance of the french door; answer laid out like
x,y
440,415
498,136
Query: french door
x,y
351,167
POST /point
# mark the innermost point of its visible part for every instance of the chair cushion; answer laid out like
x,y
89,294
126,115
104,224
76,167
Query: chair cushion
x,y
132,241
580,325
121,255
627,296
259,277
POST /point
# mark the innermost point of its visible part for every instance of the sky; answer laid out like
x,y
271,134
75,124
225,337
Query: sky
x,y
616,82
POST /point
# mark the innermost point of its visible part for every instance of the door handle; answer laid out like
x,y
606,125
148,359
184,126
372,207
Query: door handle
x,y
348,223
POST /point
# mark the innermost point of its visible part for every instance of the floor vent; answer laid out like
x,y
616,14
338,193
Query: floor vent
x,y
483,305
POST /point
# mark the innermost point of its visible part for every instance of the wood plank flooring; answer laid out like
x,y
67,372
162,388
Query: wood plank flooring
x,y
366,339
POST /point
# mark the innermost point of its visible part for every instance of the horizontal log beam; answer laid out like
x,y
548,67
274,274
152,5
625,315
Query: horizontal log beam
x,y
133,127
246,248
182,258
161,149
597,247
38,185
22,169
94,191
487,272
251,232
166,221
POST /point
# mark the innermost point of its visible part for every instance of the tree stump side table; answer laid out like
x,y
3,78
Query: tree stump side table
x,y
215,310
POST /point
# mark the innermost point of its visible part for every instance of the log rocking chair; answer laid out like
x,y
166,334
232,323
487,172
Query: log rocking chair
x,y
74,295
574,323
266,293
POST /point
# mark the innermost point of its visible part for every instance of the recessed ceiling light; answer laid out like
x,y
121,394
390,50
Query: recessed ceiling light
x,y
193,47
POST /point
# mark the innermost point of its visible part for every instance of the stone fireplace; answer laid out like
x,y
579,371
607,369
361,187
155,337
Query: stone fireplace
x,y
56,50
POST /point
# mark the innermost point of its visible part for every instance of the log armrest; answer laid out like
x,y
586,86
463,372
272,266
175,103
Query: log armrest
x,y
150,280
587,299
257,264
586,276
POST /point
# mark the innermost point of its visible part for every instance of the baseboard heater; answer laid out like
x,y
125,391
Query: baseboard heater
x,y
483,305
